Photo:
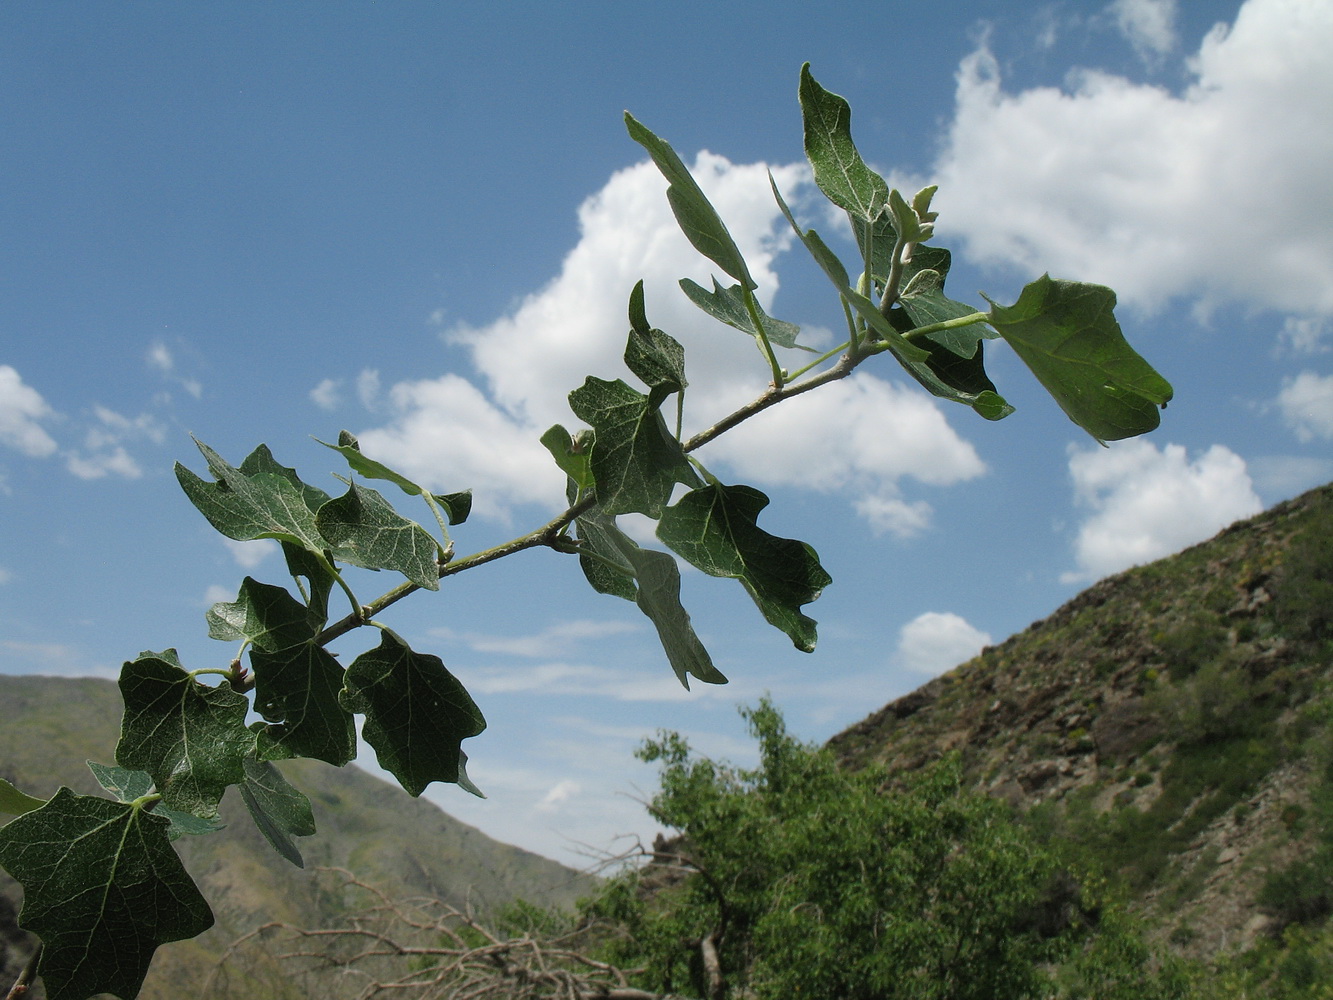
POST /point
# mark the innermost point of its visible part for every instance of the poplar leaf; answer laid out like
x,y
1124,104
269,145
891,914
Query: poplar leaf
x,y
350,449
261,460
279,810
838,168
190,738
571,453
264,615
368,532
103,889
697,217
297,692
655,357
716,530
728,305
658,597
417,713
599,536
244,507
127,785
1066,333
15,802
635,459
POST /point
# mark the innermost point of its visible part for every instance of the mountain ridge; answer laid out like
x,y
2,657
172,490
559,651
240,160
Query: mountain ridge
x,y
1182,690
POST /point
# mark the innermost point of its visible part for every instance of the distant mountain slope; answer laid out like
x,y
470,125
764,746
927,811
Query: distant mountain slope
x,y
406,846
1172,721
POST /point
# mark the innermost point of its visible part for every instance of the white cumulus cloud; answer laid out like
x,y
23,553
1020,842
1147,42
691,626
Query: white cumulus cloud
x,y
936,641
1214,194
1150,26
1306,402
22,409
1146,503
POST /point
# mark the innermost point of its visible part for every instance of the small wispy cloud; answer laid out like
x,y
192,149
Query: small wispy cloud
x,y
327,395
1306,402
22,410
160,357
558,639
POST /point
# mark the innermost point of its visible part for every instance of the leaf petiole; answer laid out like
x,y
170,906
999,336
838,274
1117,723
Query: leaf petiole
x,y
948,324
765,345
844,346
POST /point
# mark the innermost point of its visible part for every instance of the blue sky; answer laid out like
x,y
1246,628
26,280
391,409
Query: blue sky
x,y
259,222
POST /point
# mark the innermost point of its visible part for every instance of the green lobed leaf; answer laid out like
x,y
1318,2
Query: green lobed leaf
x,y
658,597
15,802
457,506
728,305
261,460
716,530
244,507
320,581
103,889
955,368
297,692
264,615
571,453
652,581
635,459
350,449
417,714
655,357
368,532
279,810
697,217
838,168
599,536
1066,333
127,786
190,738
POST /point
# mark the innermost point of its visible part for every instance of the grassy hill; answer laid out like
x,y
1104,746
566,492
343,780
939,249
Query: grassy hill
x,y
406,846
1171,726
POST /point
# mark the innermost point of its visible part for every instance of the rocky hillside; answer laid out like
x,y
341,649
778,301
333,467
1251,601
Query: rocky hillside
x,y
1172,722
408,847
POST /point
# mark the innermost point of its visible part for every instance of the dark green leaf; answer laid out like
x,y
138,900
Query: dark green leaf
x,y
716,530
655,357
103,889
417,714
457,506
635,459
190,738
296,691
279,810
1066,332
698,219
264,615
571,453
261,460
368,532
728,305
16,803
600,536
265,505
349,448
838,168
320,582
659,598
127,786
